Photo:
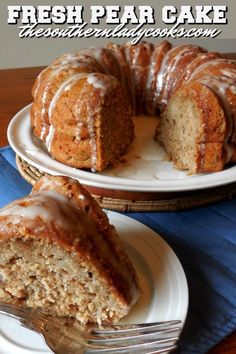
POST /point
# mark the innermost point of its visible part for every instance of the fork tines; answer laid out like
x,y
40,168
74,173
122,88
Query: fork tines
x,y
159,337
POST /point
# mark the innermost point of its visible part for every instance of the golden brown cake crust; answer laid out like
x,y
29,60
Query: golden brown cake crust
x,y
82,200
61,215
143,76
211,155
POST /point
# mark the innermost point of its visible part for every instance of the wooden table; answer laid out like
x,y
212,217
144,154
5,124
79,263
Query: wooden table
x,y
15,93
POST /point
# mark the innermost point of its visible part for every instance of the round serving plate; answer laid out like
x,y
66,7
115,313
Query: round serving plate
x,y
144,180
133,201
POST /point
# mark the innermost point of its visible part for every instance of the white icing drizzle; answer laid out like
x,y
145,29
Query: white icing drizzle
x,y
150,51
50,206
97,82
162,71
151,71
203,58
80,124
131,78
97,54
68,57
49,137
231,75
185,50
70,61
134,61
39,80
102,83
207,65
77,59
55,70
220,85
136,68
152,76
93,144
43,132
230,72
121,62
79,128
65,86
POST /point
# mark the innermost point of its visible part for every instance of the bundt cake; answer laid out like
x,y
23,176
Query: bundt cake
x,y
83,102
60,254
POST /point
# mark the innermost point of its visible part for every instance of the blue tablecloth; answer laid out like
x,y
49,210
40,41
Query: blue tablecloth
x,y
204,239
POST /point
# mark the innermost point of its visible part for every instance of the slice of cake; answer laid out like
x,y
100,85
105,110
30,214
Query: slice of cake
x,y
60,254
193,130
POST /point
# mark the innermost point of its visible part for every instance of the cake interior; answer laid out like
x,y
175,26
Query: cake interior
x,y
39,274
178,132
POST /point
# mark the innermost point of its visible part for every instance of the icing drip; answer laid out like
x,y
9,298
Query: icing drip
x,y
69,61
49,137
102,83
220,86
161,73
39,81
97,82
81,124
69,57
43,132
231,75
169,68
131,78
201,59
79,129
149,50
97,54
206,65
55,70
93,143
50,206
78,59
65,86
121,62
151,71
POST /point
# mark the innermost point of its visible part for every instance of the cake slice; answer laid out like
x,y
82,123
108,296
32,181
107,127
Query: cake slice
x,y
194,131
60,254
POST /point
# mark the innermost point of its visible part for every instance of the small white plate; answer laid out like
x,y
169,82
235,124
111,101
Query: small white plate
x,y
146,169
163,283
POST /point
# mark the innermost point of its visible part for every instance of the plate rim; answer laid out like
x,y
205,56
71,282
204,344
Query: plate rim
x,y
196,182
157,238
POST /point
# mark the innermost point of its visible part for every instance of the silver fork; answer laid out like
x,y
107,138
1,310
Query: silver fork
x,y
69,337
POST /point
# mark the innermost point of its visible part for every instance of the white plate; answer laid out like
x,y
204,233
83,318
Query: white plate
x,y
162,279
146,168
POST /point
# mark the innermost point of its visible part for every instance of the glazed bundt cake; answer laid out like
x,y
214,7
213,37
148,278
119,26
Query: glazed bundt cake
x,y
60,254
82,104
